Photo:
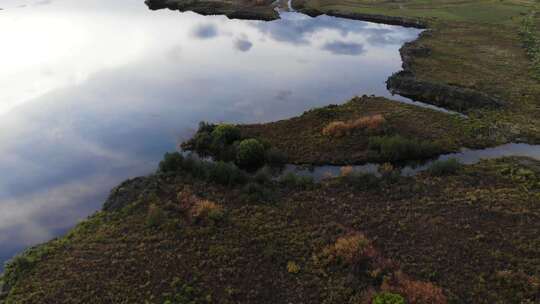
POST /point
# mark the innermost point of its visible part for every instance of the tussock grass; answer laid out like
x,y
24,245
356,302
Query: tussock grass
x,y
344,128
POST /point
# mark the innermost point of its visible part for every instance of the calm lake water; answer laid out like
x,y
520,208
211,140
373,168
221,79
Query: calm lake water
x,y
95,91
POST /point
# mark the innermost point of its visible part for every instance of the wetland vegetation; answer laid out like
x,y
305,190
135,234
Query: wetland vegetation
x,y
224,226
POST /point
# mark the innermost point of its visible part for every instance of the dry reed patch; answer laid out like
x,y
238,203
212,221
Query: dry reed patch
x,y
204,208
343,128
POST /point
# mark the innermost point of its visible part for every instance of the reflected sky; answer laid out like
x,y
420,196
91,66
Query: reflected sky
x,y
95,91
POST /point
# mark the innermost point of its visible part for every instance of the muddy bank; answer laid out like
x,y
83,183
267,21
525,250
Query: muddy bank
x,y
234,10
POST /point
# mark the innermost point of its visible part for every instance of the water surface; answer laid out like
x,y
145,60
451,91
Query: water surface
x,y
95,91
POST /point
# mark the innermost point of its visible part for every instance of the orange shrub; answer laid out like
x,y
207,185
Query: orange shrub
x,y
350,249
346,170
416,292
336,129
203,208
340,128
186,199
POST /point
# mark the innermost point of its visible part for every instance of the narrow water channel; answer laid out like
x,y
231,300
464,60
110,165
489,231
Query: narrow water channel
x,y
466,157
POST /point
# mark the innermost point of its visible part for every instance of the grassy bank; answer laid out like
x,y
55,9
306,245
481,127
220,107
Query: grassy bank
x,y
474,45
177,239
343,134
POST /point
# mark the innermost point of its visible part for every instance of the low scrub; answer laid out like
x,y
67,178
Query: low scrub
x,y
397,148
531,42
416,292
292,180
388,298
24,263
343,128
254,191
445,167
362,181
155,216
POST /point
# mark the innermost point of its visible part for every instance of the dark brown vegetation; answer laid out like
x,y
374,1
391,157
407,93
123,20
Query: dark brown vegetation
x,y
473,233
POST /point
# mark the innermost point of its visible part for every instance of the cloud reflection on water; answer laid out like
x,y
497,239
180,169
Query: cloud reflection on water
x,y
344,48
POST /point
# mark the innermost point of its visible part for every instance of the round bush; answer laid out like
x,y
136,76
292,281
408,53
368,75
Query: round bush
x,y
250,154
226,133
171,162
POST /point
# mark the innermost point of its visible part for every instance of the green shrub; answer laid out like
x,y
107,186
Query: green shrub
x,y
171,162
257,192
445,167
398,148
263,176
225,174
388,298
196,167
186,292
288,179
274,157
224,143
202,143
220,173
226,134
216,215
305,182
250,154
226,153
292,180
155,216
206,127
